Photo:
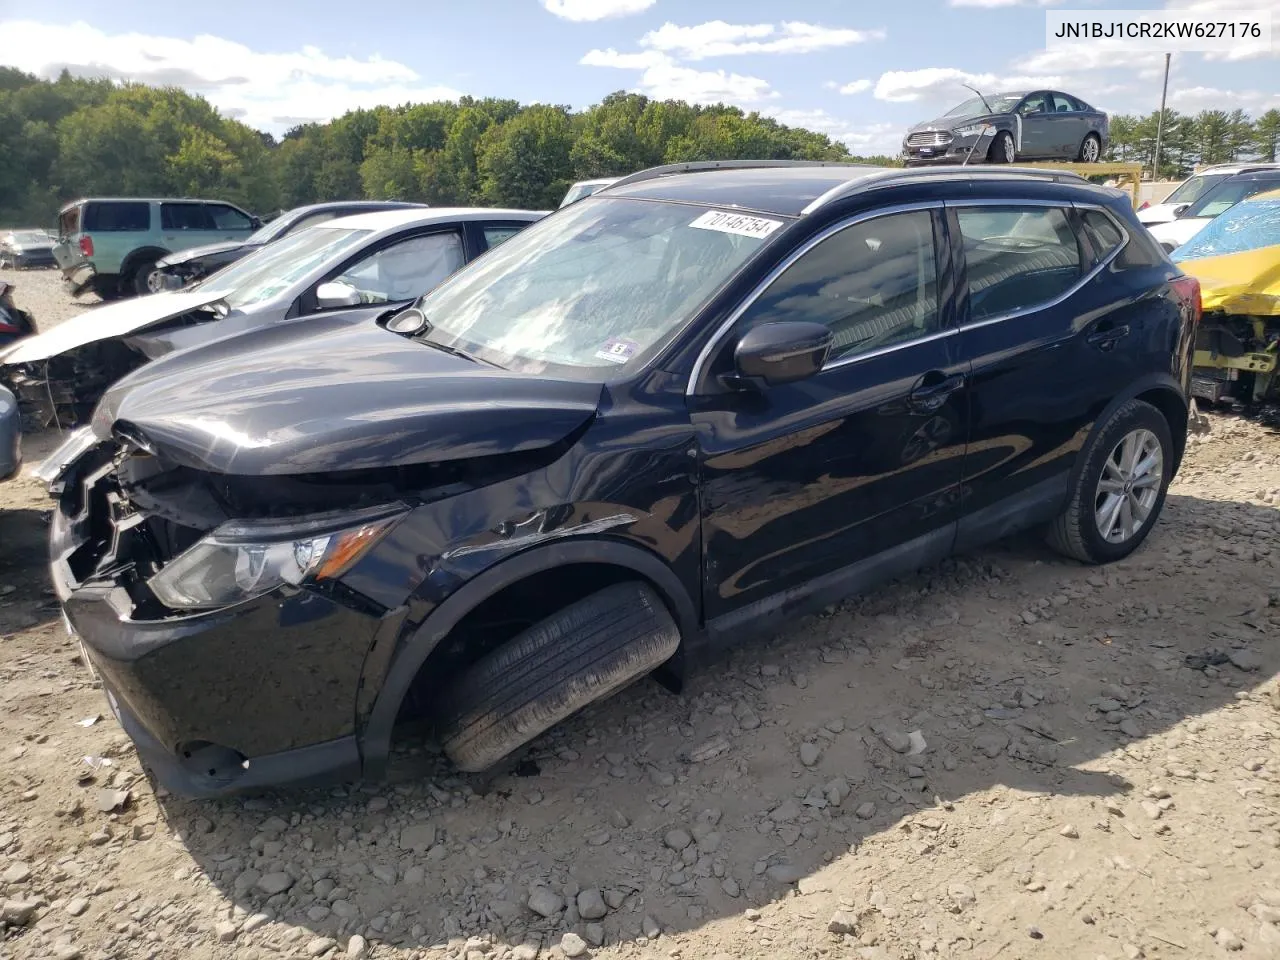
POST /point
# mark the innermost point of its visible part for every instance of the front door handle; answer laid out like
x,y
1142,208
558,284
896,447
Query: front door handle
x,y
1106,339
932,391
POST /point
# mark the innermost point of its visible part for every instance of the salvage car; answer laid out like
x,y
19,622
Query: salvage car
x,y
697,404
1236,258
1007,127
367,261
26,249
1212,203
177,270
10,435
15,324
110,245
1191,189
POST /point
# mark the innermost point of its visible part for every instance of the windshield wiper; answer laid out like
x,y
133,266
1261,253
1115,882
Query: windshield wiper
x,y
445,348
979,93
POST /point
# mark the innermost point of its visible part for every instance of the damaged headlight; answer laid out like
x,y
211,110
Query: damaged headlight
x,y
242,560
76,445
974,130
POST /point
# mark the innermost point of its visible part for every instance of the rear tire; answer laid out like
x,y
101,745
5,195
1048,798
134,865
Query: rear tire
x,y
1002,148
1090,149
1079,531
581,654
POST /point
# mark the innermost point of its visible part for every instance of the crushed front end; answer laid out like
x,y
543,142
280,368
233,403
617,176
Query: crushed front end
x,y
229,646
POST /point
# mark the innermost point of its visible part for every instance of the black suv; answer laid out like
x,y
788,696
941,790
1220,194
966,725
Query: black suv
x,y
690,407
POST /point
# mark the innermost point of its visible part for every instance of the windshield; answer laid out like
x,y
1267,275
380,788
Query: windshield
x,y
270,231
1246,226
580,191
976,108
267,271
594,288
31,236
1227,194
1191,189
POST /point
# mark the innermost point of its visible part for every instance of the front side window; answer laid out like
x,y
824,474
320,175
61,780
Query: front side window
x,y
592,290
404,270
184,216
228,218
1017,257
873,284
273,268
1036,103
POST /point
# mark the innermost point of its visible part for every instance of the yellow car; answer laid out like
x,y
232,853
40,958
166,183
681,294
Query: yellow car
x,y
1236,258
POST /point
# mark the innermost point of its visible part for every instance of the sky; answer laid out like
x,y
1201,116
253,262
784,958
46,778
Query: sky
x,y
859,71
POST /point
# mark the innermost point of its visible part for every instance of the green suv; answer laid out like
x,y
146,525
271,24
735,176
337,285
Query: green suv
x,y
111,246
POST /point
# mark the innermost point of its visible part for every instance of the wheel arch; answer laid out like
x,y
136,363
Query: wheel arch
x,y
415,649
140,256
1163,393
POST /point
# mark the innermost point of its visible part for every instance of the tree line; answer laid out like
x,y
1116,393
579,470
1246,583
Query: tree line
x,y
73,137
1211,136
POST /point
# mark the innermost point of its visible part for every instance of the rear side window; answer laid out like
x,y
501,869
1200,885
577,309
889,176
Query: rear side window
x,y
1017,257
184,216
1064,104
1104,236
874,284
494,235
69,222
117,216
228,218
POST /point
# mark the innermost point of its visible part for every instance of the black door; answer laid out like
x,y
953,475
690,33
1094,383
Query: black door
x,y
803,484
1046,331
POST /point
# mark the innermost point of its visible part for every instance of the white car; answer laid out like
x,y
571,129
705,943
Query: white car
x,y
585,188
1217,199
1191,189
361,265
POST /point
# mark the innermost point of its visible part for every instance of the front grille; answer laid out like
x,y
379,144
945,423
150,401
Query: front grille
x,y
929,138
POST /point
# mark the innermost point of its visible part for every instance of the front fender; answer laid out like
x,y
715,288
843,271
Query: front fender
x,y
412,649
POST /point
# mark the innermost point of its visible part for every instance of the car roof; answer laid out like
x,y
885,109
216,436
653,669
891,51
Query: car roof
x,y
791,190
76,203
371,205
425,216
1255,175
1237,168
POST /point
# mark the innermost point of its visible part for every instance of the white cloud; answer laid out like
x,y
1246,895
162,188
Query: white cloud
x,y
861,139
586,10
719,39
1195,99
856,86
664,79
946,84
270,91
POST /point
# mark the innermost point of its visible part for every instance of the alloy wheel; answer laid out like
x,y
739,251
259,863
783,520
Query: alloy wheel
x,y
1090,150
1009,151
1129,486
155,281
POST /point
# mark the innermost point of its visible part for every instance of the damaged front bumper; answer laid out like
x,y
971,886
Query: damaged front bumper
x,y
261,693
79,278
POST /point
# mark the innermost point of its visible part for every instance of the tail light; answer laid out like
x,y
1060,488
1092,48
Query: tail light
x,y
1188,291
1144,204
86,245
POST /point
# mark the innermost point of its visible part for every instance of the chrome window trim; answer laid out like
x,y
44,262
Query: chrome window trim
x,y
714,342
1070,291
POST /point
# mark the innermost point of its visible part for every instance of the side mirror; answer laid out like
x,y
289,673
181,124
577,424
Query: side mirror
x,y
776,353
332,295
256,223
1180,209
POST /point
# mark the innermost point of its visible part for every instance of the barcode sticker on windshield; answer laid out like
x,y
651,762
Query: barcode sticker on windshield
x,y
738,223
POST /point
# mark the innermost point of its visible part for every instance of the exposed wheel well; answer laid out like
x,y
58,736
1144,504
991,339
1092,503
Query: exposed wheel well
x,y
499,618
1174,411
138,257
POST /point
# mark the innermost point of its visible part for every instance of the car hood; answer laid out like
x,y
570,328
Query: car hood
x,y
1245,283
335,396
1159,213
106,322
1179,231
195,253
950,123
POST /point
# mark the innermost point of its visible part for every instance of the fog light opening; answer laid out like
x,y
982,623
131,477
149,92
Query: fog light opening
x,y
204,759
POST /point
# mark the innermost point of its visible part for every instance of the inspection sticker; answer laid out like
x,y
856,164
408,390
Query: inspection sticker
x,y
617,350
738,223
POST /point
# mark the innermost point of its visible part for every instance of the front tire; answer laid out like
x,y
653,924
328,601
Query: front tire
x,y
1090,149
1121,489
578,655
1002,148
141,280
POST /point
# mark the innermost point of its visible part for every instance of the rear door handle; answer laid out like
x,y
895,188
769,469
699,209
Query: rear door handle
x,y
1108,338
930,394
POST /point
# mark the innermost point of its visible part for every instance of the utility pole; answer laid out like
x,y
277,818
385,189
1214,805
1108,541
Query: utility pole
x,y
1155,164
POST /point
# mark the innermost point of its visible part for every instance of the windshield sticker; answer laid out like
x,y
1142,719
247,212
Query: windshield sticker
x,y
738,223
617,350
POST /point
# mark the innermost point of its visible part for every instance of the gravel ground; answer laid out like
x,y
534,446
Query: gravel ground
x,y
1008,755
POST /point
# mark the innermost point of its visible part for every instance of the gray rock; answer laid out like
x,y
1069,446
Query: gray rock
x,y
809,753
384,872
1269,936
1246,660
614,899
591,905
677,839
17,873
991,744
318,913
896,740
273,883
651,928
730,887
357,947
545,903
76,906
842,922
1265,912
784,873
67,951
866,810
1107,705
786,812
344,909
661,778
18,913
525,951
1070,832
836,791
1130,728
1227,940
226,931
595,934
255,921
320,946
962,895
420,837
572,945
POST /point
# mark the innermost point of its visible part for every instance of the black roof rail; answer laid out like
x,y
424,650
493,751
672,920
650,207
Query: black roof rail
x,y
883,176
698,166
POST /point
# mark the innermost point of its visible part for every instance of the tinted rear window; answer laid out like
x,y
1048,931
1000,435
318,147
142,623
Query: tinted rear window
x,y
116,216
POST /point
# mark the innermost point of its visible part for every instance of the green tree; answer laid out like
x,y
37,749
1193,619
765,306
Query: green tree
x,y
1266,135
525,161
